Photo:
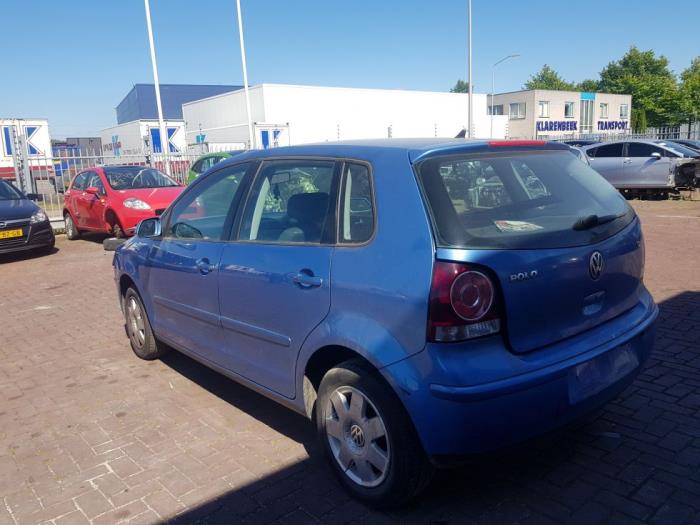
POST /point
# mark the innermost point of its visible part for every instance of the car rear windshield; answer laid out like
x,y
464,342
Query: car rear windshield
x,y
680,149
520,200
8,192
136,177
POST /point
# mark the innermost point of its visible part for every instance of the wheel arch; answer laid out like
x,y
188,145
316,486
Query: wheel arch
x,y
341,339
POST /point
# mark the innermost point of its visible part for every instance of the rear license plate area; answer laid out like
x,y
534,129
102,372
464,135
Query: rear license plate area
x,y
595,375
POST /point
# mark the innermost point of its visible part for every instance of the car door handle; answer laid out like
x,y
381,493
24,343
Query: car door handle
x,y
204,266
306,279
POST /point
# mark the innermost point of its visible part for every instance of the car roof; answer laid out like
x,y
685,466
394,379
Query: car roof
x,y
654,142
416,149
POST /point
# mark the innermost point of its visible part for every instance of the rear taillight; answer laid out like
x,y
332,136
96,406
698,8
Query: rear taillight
x,y
463,304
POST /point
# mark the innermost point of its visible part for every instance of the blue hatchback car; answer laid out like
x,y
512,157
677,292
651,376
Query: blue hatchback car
x,y
420,300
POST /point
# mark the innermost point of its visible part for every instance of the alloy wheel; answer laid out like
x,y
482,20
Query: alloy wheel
x,y
357,436
135,322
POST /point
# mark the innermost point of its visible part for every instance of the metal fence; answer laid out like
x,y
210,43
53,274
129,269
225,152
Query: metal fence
x,y
685,131
49,176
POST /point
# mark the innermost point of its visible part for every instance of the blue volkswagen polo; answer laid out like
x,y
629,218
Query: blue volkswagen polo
x,y
419,300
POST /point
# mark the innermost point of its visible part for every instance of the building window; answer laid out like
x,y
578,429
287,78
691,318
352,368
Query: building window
x,y
568,110
603,110
517,110
543,109
496,110
624,111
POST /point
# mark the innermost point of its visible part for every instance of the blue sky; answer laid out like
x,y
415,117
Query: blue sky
x,y
73,61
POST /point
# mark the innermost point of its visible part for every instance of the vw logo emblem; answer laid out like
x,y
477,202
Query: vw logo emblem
x,y
595,265
357,436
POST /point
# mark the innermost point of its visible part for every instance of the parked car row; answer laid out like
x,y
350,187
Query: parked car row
x,y
420,301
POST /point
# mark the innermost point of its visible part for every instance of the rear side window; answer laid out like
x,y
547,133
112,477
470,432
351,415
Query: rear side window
x,y
519,200
609,150
356,205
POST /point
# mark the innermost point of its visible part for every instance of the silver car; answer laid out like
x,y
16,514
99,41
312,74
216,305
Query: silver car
x,y
645,164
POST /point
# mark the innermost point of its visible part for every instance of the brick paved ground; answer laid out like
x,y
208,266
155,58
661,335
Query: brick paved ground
x,y
89,433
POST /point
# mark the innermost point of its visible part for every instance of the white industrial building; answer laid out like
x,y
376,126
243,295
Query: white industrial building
x,y
292,114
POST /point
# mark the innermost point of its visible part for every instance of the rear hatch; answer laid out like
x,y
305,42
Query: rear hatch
x,y
565,248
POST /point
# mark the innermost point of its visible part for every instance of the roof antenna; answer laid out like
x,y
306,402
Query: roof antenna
x,y
462,134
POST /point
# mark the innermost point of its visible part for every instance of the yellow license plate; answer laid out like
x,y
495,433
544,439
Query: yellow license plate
x,y
9,234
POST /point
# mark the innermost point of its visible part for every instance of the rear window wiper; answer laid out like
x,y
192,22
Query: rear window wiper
x,y
591,221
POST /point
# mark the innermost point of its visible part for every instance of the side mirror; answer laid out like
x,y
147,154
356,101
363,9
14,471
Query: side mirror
x,y
656,155
93,190
33,196
149,228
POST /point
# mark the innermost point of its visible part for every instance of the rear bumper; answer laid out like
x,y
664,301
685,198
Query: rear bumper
x,y
36,236
459,412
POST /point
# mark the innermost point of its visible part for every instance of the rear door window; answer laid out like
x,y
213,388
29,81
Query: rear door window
x,y
290,203
609,150
640,149
519,200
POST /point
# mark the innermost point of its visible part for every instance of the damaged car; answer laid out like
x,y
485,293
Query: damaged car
x,y
645,167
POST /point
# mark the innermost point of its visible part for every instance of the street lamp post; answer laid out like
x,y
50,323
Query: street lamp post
x,y
493,85
470,118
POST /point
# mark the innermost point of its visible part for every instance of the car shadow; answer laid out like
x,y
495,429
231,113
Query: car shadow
x,y
581,468
96,238
27,255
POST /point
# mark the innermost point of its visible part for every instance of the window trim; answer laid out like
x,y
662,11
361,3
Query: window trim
x,y
338,236
573,109
627,112
519,117
600,110
335,187
540,105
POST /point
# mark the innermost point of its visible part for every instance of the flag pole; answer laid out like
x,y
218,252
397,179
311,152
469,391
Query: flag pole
x,y
251,145
164,140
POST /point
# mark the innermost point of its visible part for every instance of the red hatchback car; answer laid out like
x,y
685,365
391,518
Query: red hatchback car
x,y
114,199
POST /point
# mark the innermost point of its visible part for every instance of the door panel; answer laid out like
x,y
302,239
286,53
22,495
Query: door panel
x,y
642,169
183,284
274,286
75,198
607,161
271,298
92,206
184,265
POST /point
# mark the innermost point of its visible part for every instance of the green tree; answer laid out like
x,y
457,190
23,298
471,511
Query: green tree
x,y
547,78
589,85
639,120
462,86
650,82
690,92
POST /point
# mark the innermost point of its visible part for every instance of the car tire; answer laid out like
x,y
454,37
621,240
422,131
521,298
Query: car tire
x,y
368,437
138,328
72,232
